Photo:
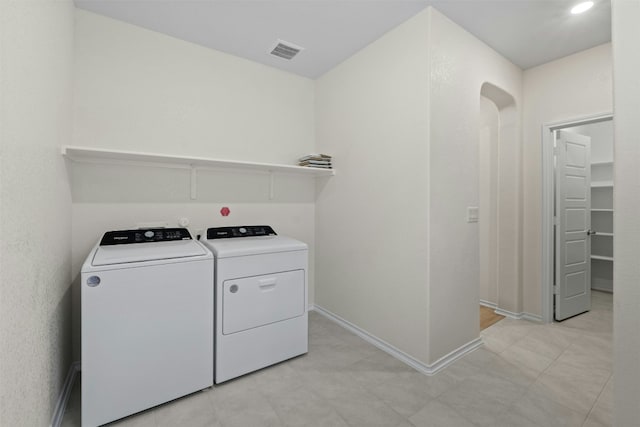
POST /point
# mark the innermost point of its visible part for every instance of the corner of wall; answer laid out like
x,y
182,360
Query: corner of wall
x,y
459,65
371,115
427,282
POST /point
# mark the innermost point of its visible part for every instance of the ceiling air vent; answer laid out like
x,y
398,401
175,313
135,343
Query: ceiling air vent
x,y
285,50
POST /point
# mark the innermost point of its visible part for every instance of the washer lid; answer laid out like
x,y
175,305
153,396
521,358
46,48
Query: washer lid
x,y
122,254
234,247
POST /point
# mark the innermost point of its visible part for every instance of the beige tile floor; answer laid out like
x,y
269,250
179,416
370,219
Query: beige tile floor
x,y
526,375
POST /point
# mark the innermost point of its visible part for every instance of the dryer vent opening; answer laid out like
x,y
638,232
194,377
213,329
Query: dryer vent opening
x,y
285,50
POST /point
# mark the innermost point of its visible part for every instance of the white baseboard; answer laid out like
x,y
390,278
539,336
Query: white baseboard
x,y
456,354
532,317
519,316
65,393
488,304
509,314
606,290
426,369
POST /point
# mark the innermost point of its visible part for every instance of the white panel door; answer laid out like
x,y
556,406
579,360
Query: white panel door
x,y
573,225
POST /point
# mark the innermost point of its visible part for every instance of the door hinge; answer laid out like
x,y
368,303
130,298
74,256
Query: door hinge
x,y
555,290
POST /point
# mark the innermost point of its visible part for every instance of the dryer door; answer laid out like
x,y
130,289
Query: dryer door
x,y
252,302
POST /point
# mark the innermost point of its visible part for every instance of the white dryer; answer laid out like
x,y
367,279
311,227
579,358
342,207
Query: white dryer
x,y
147,322
260,297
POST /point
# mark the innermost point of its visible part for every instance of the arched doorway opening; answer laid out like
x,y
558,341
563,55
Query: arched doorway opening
x,y
499,202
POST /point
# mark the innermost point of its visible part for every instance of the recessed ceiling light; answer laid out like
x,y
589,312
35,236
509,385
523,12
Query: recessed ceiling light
x,y
581,7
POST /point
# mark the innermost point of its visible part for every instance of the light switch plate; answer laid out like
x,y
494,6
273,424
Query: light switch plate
x,y
472,214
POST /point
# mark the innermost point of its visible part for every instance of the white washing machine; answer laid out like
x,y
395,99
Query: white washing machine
x,y
260,297
147,322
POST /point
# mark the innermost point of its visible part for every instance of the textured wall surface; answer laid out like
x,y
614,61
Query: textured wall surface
x,y
371,250
35,207
626,205
136,89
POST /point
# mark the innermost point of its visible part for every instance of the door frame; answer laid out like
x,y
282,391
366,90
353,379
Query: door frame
x,y
548,200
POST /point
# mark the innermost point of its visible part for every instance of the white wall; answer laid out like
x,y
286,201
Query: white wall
x,y
626,299
488,199
572,87
138,89
36,56
460,65
143,91
371,229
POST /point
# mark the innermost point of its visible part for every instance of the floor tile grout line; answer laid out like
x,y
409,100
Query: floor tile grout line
x,y
595,402
522,397
456,412
573,410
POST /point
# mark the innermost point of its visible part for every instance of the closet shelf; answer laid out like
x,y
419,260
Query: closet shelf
x,y
602,214
85,154
602,258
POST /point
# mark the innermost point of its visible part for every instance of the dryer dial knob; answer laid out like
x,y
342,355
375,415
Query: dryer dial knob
x,y
149,234
242,230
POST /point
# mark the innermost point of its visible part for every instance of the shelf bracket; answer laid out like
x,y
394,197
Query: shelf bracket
x,y
271,184
194,183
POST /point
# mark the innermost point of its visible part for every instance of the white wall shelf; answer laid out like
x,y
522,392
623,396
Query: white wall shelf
x,y
601,184
602,258
108,156
80,154
599,233
602,210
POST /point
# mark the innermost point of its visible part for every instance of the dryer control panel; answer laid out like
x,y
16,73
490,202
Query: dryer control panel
x,y
146,235
240,231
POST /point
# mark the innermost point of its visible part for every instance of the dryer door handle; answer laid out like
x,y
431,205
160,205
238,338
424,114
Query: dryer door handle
x,y
267,284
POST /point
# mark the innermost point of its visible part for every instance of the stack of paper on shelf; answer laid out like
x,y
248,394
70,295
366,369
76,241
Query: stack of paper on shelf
x,y
315,161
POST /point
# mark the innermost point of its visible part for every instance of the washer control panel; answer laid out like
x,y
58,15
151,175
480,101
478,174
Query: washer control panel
x,y
124,237
240,231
